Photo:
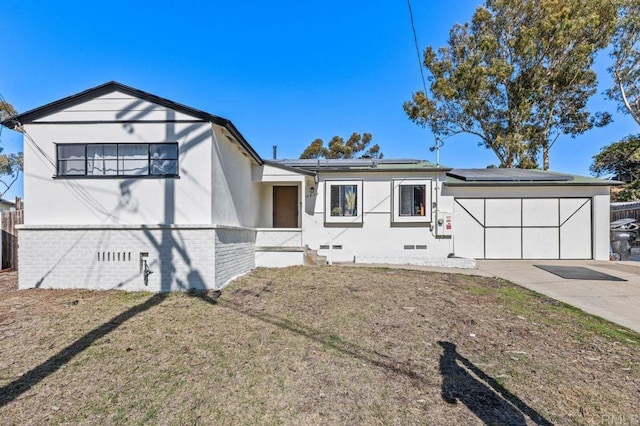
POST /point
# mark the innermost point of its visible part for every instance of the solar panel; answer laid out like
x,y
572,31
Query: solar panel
x,y
508,175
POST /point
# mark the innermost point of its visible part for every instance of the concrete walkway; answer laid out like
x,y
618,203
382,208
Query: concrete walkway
x,y
616,301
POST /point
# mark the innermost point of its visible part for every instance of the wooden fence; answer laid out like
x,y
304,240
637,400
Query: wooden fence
x,y
625,210
10,237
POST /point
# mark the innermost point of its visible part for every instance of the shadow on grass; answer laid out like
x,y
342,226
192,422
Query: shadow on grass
x,y
331,340
12,390
491,403
463,381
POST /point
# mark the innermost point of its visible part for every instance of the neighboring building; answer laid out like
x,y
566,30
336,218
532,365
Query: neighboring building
x,y
6,204
121,182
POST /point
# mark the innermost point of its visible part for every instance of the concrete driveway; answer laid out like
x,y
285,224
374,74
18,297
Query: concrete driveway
x,y
616,301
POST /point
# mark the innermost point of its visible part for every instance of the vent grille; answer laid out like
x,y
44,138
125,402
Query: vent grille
x,y
114,256
326,247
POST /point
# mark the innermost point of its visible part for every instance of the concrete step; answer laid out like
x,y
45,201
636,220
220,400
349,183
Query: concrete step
x,y
312,258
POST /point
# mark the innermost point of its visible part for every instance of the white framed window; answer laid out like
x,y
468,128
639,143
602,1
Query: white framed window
x,y
343,201
411,201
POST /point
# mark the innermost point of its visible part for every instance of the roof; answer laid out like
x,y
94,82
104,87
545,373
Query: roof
x,y
361,164
7,202
279,165
519,177
113,86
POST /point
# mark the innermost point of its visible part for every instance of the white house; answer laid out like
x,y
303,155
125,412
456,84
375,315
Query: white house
x,y
129,190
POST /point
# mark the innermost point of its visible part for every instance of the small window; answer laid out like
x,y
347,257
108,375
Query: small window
x,y
118,159
411,201
343,202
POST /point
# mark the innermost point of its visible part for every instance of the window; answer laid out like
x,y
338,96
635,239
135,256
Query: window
x,y
411,201
118,159
343,202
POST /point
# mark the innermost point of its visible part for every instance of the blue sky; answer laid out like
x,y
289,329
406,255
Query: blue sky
x,y
285,72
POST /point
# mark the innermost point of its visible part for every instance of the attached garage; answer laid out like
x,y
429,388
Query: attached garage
x,y
528,214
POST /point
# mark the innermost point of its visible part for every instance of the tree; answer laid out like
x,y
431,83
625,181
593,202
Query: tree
x,y
338,148
626,59
6,110
621,160
10,164
517,77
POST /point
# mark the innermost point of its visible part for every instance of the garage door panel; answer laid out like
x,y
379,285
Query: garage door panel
x,y
568,206
473,206
503,243
540,212
540,243
503,212
575,235
468,235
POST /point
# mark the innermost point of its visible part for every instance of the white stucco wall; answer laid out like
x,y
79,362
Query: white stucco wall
x,y
601,224
186,200
235,195
269,176
376,240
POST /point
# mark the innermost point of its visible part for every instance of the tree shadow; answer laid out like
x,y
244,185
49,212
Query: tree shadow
x,y
13,390
463,381
327,339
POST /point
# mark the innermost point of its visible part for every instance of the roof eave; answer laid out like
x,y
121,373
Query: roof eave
x,y
113,86
289,168
382,170
539,184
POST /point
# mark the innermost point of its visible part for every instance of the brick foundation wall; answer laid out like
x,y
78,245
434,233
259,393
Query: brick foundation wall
x,y
108,257
234,253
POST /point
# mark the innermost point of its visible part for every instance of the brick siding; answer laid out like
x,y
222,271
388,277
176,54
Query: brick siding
x,y
104,257
235,253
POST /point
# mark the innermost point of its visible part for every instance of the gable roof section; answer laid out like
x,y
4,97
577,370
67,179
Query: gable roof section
x,y
520,177
113,86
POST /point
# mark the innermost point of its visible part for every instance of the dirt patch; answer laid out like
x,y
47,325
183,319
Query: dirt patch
x,y
8,280
315,346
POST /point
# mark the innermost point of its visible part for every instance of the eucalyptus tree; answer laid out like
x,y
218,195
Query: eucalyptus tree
x,y
626,59
10,164
517,77
356,146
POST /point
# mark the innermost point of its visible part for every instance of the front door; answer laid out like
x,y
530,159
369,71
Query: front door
x,y
285,206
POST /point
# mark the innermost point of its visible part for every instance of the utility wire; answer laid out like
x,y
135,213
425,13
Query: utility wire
x,y
415,41
80,192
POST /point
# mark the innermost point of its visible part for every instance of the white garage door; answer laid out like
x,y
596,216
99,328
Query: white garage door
x,y
522,228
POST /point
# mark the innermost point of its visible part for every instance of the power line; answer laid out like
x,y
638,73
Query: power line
x,y
77,190
415,40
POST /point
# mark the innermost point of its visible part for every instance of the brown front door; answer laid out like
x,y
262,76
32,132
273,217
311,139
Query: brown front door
x,y
285,206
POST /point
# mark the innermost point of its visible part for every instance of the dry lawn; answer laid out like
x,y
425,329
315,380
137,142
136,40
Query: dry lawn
x,y
331,345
